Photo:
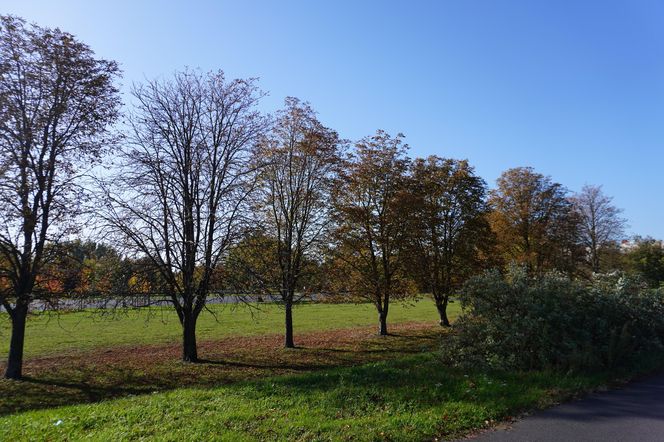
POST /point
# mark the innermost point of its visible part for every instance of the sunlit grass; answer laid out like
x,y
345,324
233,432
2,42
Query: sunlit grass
x,y
347,384
49,333
411,399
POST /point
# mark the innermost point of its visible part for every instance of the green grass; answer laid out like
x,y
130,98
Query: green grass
x,y
49,333
122,379
414,398
104,374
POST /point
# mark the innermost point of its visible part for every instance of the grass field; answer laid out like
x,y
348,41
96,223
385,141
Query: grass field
x,y
409,399
49,333
81,357
120,378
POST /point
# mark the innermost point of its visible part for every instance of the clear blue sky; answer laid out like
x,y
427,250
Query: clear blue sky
x,y
572,88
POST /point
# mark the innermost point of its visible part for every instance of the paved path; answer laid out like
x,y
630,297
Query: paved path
x,y
635,413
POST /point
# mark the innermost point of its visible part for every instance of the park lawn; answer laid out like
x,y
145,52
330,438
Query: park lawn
x,y
339,384
108,373
51,333
412,398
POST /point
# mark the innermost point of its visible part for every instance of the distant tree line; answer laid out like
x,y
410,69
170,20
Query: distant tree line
x,y
199,192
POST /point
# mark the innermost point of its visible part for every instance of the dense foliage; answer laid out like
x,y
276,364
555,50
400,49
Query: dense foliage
x,y
646,258
551,322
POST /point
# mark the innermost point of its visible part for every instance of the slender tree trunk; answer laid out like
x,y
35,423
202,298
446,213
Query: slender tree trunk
x,y
288,341
441,305
382,318
15,359
189,349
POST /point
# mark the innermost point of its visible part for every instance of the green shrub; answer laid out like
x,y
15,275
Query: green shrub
x,y
552,322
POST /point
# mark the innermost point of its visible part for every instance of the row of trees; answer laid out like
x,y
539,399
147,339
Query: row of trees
x,y
200,192
88,271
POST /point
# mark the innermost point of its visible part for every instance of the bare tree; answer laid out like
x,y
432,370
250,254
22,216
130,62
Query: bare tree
x,y
600,222
301,159
56,102
373,207
179,194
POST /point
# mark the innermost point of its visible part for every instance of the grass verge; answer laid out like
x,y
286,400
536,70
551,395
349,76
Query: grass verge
x,y
409,399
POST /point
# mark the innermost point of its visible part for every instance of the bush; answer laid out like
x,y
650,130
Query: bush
x,y
552,322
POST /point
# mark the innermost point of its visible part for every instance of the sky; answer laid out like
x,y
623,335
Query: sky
x,y
574,89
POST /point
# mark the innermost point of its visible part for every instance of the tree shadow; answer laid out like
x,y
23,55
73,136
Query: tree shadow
x,y
287,367
92,392
108,374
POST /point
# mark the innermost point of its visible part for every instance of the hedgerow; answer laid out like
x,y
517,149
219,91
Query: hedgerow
x,y
517,321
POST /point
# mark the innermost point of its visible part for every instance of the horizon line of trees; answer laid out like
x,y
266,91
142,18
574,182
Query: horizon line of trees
x,y
202,192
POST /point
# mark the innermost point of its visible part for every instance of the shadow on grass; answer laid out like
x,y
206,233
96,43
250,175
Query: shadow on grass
x,y
287,367
92,392
106,374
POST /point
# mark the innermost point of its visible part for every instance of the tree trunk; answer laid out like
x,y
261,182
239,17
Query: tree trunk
x,y
383,323
595,260
441,305
189,350
288,341
15,359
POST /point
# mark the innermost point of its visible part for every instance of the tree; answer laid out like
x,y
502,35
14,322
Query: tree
x,y
179,195
83,268
451,231
372,213
56,104
300,160
645,257
249,269
534,221
601,225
